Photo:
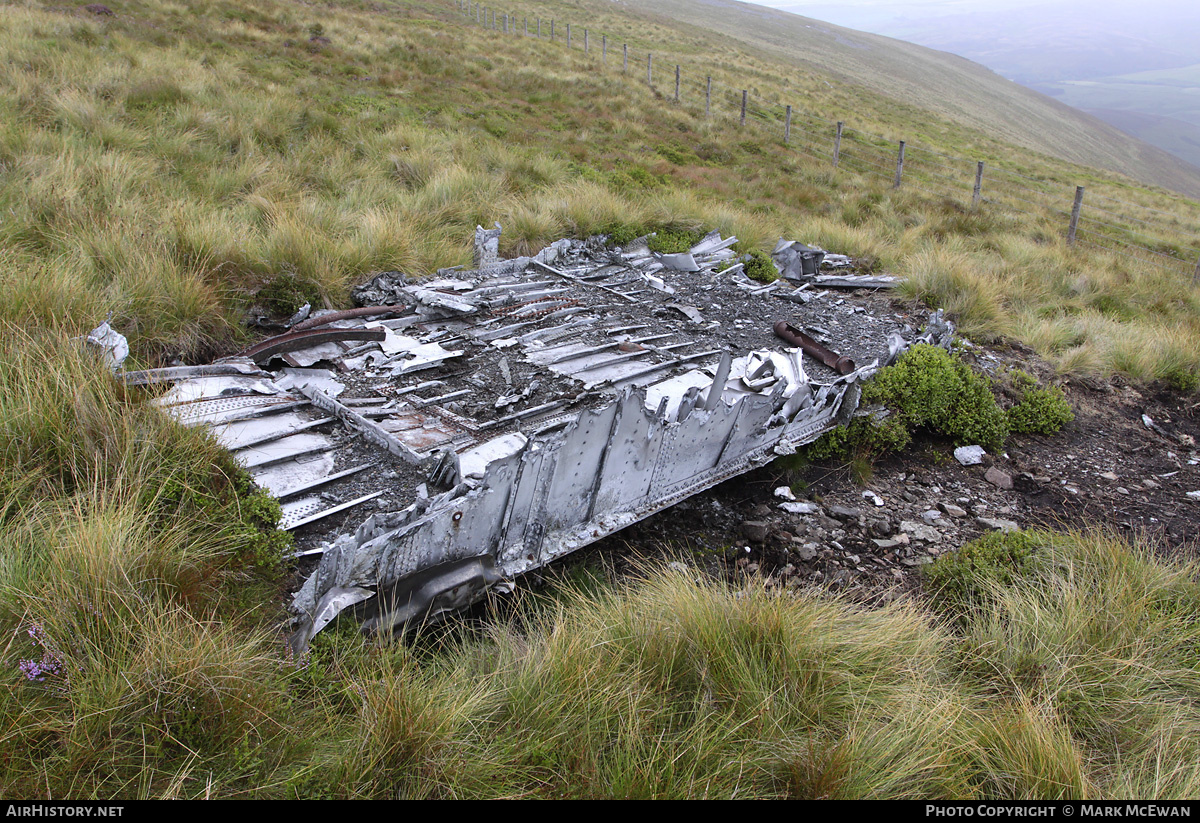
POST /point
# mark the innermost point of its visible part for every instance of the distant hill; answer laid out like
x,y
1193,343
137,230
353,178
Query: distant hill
x,y
942,83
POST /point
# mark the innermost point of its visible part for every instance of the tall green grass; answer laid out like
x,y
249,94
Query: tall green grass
x,y
673,687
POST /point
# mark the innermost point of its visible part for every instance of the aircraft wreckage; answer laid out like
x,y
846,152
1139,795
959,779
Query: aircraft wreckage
x,y
456,432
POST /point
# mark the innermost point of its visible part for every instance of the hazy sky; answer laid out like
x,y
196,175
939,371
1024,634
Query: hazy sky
x,y
836,10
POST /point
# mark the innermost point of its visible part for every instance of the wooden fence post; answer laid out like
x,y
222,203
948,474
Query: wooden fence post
x,y
978,184
676,82
649,61
539,21
742,122
708,96
585,41
837,145
604,48
527,26
568,35
506,23
625,48
551,29
787,125
1075,215
899,166
1196,275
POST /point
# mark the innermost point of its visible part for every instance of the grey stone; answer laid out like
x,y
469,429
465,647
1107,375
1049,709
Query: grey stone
x,y
844,512
755,530
806,552
825,522
926,534
999,479
880,527
952,510
921,532
969,455
997,524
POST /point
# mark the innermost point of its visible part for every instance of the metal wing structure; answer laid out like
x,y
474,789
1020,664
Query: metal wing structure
x,y
464,430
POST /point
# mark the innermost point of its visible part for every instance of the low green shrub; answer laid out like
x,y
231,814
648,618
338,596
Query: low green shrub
x,y
932,390
1042,411
963,578
673,241
929,389
666,239
1038,409
760,267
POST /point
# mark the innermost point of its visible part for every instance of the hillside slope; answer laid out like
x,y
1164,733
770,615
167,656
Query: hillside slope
x,y
942,83
193,171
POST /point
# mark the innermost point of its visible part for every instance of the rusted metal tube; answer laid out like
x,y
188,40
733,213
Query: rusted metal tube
x,y
348,314
262,352
838,362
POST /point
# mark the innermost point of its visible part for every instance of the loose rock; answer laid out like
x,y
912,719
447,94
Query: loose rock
x,y
997,524
969,455
999,479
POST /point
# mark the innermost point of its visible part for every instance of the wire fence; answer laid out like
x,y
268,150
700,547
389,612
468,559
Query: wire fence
x,y
1148,234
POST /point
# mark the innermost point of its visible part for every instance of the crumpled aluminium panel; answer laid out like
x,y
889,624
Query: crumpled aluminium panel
x,y
663,406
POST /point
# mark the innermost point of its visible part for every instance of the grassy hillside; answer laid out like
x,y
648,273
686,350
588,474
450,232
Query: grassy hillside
x,y
1179,137
937,82
183,165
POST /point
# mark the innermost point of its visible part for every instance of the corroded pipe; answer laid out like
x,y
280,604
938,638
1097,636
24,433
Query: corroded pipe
x,y
347,314
838,362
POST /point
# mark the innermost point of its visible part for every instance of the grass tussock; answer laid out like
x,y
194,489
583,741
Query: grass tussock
x,y
675,687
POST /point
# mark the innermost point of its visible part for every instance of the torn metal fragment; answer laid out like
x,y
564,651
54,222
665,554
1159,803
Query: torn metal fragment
x,y
856,281
347,314
796,261
112,345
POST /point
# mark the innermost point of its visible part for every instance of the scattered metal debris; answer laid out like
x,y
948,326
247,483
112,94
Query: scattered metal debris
x,y
856,281
113,346
512,414
796,261
800,263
